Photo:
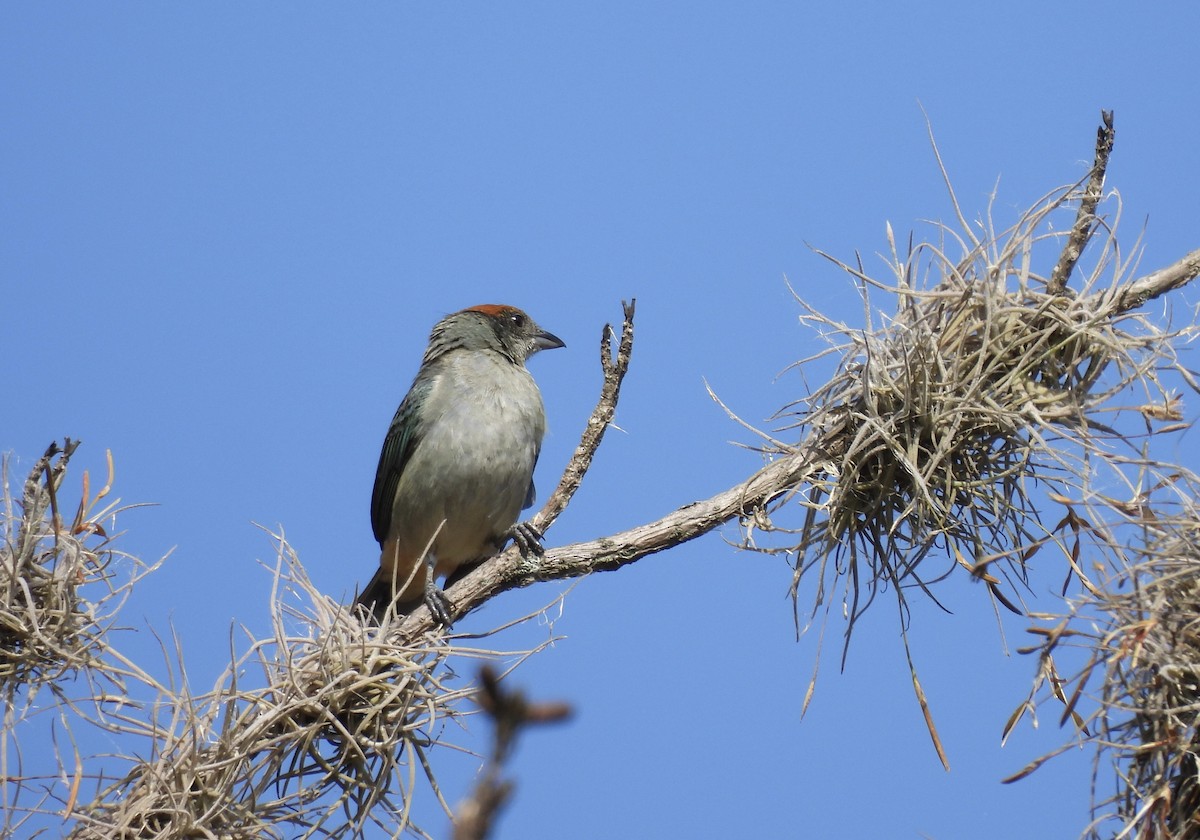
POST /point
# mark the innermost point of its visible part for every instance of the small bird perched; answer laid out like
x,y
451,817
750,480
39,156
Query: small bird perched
x,y
457,463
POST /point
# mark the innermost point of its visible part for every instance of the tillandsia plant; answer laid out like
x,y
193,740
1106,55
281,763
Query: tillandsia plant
x,y
955,435
1136,629
62,585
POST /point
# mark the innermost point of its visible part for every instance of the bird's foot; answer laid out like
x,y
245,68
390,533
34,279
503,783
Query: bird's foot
x,y
527,539
438,603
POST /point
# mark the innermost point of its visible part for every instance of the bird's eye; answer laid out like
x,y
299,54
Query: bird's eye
x,y
517,319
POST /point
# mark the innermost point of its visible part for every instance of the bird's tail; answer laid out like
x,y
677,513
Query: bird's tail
x,y
375,597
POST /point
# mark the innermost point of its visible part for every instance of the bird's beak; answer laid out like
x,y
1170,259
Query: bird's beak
x,y
547,341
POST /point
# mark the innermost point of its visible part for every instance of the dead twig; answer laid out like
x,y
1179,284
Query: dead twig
x,y
614,370
1085,219
511,714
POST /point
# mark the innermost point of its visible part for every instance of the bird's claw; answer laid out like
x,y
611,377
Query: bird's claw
x,y
527,539
438,603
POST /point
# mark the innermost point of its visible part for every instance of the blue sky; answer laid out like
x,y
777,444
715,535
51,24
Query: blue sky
x,y
227,229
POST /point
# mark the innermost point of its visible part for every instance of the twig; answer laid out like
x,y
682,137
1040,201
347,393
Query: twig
x,y
1085,219
614,372
510,713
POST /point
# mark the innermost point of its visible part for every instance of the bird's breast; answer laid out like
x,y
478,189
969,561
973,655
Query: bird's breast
x,y
484,423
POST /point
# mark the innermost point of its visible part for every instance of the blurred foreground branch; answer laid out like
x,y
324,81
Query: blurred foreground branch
x,y
511,713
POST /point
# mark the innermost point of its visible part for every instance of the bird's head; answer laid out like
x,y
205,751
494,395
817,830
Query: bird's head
x,y
492,326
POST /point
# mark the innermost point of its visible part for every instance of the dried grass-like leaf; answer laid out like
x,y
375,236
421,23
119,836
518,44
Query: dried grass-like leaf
x,y
1138,636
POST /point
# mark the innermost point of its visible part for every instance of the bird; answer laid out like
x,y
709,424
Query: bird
x,y
456,468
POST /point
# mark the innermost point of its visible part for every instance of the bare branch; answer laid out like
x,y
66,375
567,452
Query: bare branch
x,y
1085,219
1155,284
614,372
511,571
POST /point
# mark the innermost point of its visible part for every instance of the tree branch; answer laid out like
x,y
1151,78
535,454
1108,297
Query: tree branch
x,y
1085,219
510,570
1155,284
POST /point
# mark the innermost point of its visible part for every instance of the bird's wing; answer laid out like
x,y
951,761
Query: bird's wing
x,y
402,438
531,493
